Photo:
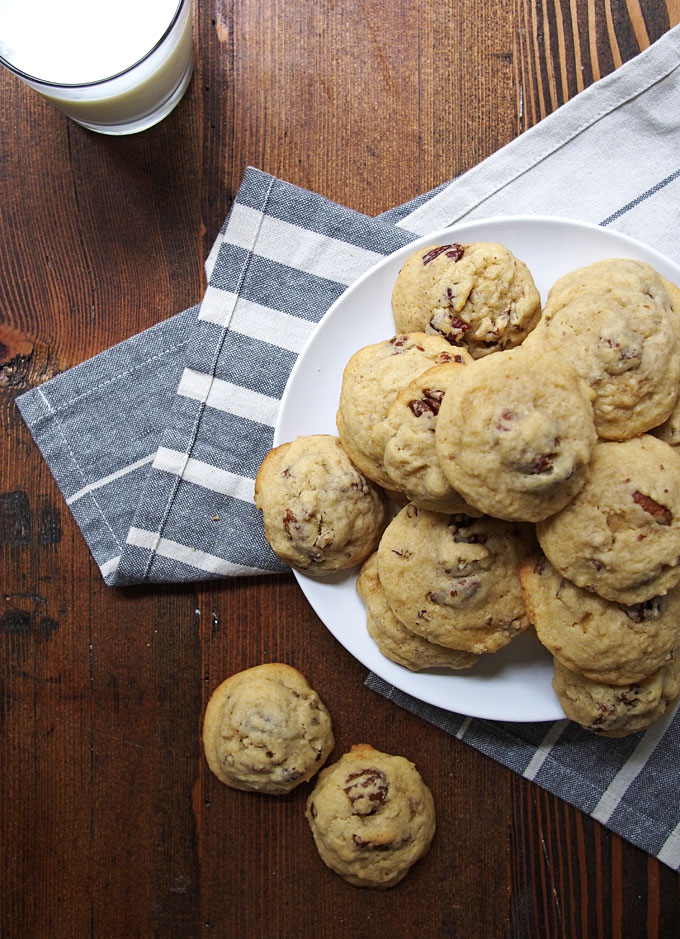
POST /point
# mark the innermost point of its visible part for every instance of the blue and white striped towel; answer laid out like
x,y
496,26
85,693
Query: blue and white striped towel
x,y
155,443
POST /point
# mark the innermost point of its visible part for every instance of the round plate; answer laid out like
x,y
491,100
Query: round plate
x,y
513,684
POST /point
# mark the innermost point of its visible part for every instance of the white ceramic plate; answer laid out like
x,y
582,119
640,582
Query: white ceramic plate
x,y
515,683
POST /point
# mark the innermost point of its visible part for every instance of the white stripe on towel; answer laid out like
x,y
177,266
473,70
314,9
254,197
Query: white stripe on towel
x,y
175,551
204,474
255,320
224,396
105,480
670,852
297,247
630,770
543,749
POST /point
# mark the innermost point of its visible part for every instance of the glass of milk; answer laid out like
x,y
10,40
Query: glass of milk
x,y
114,66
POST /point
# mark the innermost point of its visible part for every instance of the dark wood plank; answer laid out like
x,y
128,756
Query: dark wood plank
x,y
110,822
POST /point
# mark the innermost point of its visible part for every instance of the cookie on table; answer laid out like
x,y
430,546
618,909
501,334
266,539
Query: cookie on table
x,y
371,381
454,579
617,710
620,536
516,438
614,322
372,817
604,641
479,296
320,513
266,730
394,640
406,438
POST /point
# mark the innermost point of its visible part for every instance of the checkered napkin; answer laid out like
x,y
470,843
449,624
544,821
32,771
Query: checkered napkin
x,y
155,443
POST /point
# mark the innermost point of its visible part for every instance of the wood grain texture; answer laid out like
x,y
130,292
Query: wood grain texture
x,y
110,822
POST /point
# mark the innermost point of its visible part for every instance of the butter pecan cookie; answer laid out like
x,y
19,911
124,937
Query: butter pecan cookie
x,y
477,295
371,381
516,437
617,710
266,730
320,513
453,579
605,641
372,817
620,536
614,322
407,440
394,640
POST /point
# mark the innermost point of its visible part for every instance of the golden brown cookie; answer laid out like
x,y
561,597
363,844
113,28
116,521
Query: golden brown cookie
x,y
620,536
372,817
394,640
266,730
605,641
320,513
407,440
477,295
371,381
515,435
613,321
453,579
617,710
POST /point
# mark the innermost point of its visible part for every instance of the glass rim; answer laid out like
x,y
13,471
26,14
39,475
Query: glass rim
x,y
98,81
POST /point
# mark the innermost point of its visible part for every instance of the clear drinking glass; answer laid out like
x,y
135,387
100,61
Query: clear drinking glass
x,y
141,84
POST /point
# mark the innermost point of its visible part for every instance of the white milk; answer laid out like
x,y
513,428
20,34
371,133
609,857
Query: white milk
x,y
61,47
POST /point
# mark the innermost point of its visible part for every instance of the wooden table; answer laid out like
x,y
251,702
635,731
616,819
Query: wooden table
x,y
112,825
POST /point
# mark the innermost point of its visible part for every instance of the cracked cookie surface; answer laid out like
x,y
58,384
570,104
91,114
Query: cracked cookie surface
x,y
617,711
266,730
620,536
516,437
615,323
371,381
602,640
453,579
478,296
372,817
394,640
320,513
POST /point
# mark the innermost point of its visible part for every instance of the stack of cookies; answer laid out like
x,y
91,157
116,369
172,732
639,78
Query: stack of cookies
x,y
531,451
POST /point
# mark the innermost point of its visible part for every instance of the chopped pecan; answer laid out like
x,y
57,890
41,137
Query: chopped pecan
x,y
541,463
504,421
366,790
653,508
288,520
428,404
375,845
398,342
640,612
454,252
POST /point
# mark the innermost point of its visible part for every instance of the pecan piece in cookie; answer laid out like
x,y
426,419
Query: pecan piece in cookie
x,y
454,252
366,789
372,817
652,507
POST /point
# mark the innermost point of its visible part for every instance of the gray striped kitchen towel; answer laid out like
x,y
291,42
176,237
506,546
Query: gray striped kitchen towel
x,y
155,443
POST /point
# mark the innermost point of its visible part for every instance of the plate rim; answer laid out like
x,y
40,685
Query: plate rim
x,y
458,228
